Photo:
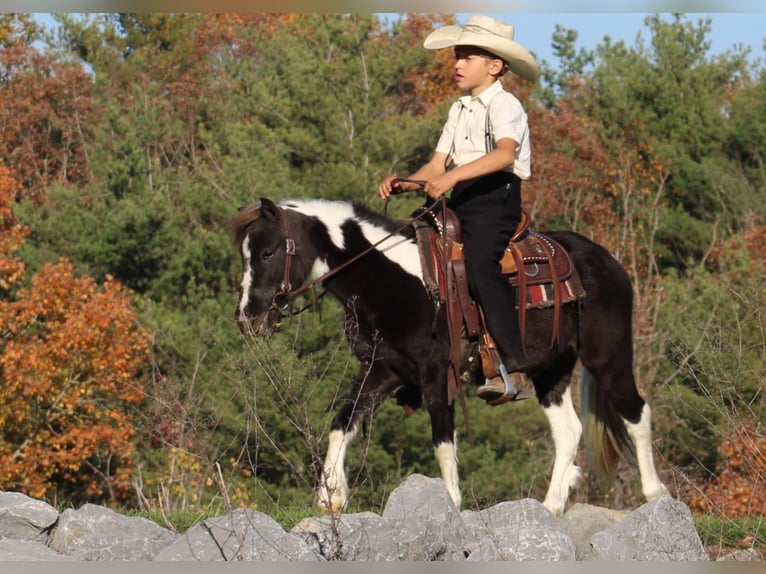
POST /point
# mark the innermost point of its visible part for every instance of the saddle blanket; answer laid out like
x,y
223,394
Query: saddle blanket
x,y
541,296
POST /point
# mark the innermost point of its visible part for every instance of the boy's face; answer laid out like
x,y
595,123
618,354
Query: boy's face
x,y
475,69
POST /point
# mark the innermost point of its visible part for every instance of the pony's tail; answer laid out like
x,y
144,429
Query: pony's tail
x,y
604,434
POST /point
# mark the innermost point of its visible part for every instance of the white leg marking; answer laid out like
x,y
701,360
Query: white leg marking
x,y
566,430
332,494
446,454
641,434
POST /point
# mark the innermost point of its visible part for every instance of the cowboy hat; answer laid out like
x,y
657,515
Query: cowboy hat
x,y
491,35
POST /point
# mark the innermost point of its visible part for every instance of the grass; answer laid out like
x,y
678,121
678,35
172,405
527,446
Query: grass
x,y
721,535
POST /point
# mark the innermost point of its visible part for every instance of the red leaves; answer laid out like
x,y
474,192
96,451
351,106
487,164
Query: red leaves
x,y
46,106
11,233
740,487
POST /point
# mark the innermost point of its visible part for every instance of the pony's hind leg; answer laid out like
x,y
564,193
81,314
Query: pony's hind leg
x,y
616,384
641,435
566,430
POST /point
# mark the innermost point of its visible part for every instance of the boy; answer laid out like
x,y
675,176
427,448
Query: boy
x,y
482,156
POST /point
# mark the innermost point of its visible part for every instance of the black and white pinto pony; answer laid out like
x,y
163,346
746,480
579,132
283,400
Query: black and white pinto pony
x,y
401,338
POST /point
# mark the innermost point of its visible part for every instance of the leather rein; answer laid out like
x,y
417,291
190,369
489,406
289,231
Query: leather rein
x,y
282,300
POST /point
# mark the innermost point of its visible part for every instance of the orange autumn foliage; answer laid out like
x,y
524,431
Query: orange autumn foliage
x,y
11,233
71,360
740,487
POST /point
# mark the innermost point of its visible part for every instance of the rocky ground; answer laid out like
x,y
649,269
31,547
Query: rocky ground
x,y
418,523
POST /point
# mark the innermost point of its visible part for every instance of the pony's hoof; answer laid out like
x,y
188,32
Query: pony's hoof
x,y
333,508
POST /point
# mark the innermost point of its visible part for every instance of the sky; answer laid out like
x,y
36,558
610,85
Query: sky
x,y
534,30
534,24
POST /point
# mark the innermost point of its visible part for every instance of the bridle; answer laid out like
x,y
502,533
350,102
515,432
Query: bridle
x,y
284,297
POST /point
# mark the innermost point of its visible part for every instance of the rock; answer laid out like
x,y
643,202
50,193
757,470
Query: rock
x,y
662,529
582,521
28,551
24,518
97,533
741,555
419,523
243,534
518,530
350,537
426,522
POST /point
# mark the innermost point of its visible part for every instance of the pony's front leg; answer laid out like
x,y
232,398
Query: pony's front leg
x,y
446,455
332,494
370,387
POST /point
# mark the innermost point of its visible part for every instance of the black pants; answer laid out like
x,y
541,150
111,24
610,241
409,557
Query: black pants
x,y
489,209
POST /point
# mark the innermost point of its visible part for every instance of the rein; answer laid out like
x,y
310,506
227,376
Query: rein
x,y
284,297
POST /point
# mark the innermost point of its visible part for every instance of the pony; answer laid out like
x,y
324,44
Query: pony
x,y
370,262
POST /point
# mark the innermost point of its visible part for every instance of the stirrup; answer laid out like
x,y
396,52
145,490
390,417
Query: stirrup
x,y
509,392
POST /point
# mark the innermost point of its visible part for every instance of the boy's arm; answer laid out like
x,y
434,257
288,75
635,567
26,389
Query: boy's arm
x,y
434,168
499,158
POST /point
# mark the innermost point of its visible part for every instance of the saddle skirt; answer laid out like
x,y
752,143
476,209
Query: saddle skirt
x,y
537,266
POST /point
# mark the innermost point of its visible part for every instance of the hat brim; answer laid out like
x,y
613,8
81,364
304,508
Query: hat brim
x,y
519,59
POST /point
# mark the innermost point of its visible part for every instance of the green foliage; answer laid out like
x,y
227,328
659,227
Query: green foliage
x,y
713,358
670,96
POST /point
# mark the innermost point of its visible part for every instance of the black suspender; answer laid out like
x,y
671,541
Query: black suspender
x,y
489,140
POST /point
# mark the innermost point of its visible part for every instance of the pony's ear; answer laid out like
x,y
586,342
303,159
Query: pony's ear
x,y
269,209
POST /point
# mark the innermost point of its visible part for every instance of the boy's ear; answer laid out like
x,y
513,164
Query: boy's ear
x,y
497,67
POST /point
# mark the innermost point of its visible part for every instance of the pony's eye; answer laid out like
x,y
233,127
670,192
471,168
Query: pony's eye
x,y
267,254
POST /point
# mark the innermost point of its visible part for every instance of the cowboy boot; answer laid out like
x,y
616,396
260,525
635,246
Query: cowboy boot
x,y
506,387
500,386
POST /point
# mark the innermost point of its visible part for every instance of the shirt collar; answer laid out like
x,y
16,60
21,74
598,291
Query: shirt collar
x,y
485,97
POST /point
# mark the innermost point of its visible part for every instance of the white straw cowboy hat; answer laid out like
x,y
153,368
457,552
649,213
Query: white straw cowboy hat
x,y
491,35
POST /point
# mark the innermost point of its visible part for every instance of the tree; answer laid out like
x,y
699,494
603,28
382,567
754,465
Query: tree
x,y
671,96
12,235
71,359
46,113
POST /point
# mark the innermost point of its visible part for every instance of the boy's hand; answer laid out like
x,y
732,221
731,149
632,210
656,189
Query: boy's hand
x,y
439,185
385,187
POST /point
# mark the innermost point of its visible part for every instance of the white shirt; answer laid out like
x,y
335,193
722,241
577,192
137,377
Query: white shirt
x,y
466,122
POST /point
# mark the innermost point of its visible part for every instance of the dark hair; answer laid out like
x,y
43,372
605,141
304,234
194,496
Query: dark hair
x,y
477,51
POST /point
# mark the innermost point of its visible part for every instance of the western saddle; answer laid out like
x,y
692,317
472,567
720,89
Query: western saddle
x,y
541,260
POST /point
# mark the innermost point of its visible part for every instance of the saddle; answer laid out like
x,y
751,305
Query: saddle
x,y
536,265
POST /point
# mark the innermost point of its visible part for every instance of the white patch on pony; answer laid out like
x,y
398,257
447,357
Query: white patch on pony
x,y
566,430
641,435
318,269
446,454
247,276
331,213
334,214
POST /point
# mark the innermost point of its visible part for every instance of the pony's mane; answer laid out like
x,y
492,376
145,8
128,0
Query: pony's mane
x,y
245,216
